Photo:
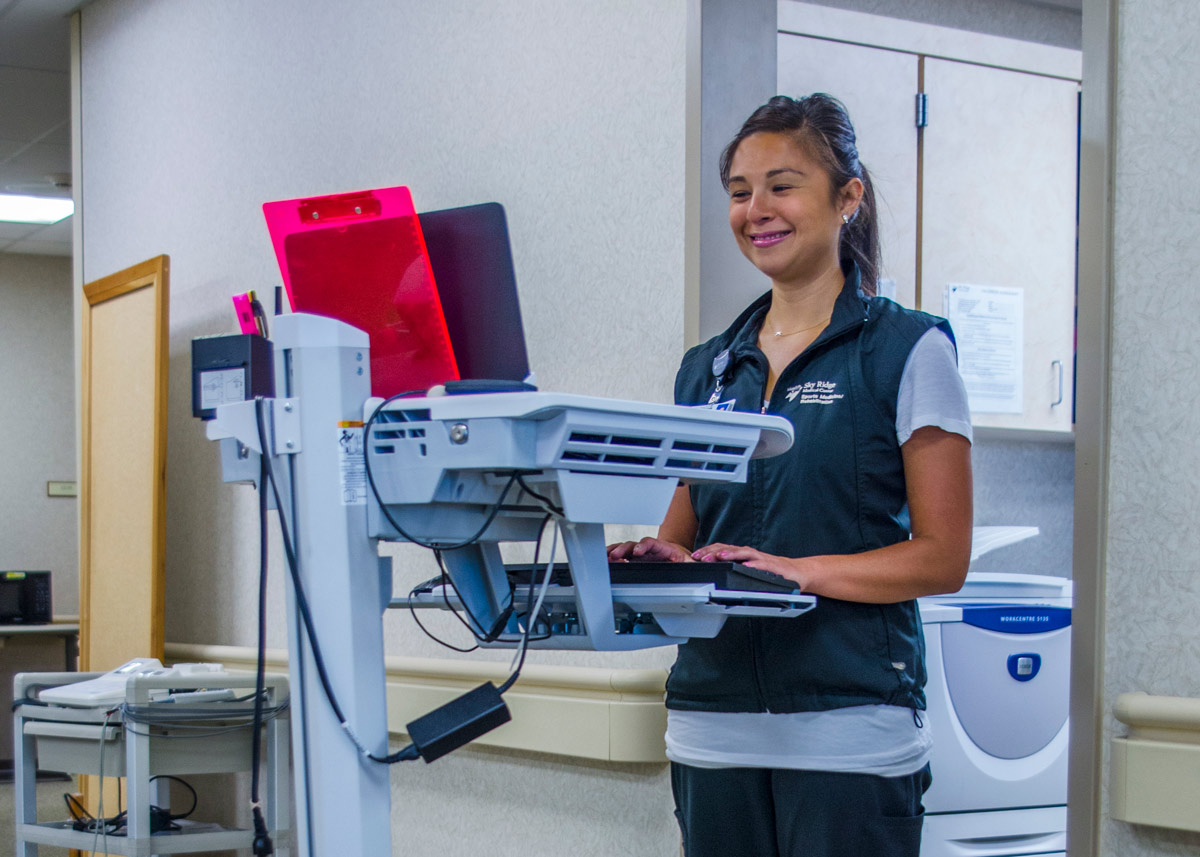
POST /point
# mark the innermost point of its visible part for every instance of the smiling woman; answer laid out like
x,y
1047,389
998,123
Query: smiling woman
x,y
805,737
786,214
785,130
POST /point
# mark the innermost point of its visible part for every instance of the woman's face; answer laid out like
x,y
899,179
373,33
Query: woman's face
x,y
783,214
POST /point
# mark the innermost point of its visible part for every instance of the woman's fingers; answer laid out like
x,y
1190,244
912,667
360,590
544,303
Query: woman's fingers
x,y
620,550
649,549
726,553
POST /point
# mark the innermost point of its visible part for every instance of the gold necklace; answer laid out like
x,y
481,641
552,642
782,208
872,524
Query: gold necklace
x,y
779,333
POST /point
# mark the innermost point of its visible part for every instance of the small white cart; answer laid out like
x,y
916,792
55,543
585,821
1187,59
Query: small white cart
x,y
70,739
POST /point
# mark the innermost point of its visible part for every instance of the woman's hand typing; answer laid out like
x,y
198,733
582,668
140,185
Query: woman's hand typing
x,y
648,549
792,569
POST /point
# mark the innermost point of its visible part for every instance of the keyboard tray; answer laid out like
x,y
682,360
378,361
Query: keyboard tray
x,y
729,576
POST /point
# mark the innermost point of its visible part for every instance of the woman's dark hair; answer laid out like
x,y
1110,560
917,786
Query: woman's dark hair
x,y
820,124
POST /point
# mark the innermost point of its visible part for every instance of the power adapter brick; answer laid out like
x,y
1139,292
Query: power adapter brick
x,y
458,722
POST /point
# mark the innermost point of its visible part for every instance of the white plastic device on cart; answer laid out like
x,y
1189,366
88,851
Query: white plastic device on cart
x,y
109,689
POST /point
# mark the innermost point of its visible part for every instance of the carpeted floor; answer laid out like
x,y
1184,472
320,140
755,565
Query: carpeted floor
x,y
50,807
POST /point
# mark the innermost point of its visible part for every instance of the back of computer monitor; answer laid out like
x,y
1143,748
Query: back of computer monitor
x,y
472,266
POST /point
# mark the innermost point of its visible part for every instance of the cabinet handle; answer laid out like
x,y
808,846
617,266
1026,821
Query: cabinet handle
x,y
1059,364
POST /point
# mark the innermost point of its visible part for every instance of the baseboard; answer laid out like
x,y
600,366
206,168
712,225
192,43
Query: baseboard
x,y
613,715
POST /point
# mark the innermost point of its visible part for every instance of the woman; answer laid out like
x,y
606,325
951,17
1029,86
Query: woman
x,y
804,736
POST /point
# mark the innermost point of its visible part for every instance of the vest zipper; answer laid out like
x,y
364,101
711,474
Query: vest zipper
x,y
752,626
755,476
756,473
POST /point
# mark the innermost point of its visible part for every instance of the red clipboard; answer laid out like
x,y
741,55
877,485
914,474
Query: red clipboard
x,y
360,258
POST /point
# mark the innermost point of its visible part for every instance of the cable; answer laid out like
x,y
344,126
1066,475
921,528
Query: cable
x,y
100,770
78,812
428,633
160,818
537,551
261,844
496,630
186,785
519,660
302,606
407,754
29,700
293,568
215,732
186,718
546,502
530,600
532,610
298,589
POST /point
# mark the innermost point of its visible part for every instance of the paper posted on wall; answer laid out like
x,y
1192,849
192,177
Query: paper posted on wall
x,y
989,328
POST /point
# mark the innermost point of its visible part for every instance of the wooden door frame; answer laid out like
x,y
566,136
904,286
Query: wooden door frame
x,y
153,273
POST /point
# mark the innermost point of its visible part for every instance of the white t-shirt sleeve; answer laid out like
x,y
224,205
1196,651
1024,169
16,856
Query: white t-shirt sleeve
x,y
931,390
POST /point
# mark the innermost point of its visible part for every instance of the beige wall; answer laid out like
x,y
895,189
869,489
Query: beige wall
x,y
571,114
37,422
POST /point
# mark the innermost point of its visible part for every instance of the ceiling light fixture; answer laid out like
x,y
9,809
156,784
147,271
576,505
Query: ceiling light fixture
x,y
34,209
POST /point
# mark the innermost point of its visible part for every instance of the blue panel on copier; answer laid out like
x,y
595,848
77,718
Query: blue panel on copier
x,y
1016,619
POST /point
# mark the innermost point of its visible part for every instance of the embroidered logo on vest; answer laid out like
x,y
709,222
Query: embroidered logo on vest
x,y
815,393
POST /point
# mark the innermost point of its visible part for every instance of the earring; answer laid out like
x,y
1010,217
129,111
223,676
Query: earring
x,y
846,218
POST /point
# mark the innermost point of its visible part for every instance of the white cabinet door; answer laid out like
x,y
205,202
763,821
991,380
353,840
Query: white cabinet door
x,y
879,90
998,209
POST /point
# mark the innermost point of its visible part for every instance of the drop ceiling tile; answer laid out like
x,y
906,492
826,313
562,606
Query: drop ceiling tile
x,y
40,248
7,147
15,231
37,34
61,137
60,231
34,102
27,172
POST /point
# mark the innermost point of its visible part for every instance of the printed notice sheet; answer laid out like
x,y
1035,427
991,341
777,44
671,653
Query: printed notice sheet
x,y
989,327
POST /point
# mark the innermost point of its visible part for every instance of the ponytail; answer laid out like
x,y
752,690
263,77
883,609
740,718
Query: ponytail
x,y
860,238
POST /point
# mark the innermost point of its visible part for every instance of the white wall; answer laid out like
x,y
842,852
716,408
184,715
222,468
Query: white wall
x,y
1151,637
571,114
37,422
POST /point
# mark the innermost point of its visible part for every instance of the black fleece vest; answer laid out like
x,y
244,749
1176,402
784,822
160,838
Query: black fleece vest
x,y
839,490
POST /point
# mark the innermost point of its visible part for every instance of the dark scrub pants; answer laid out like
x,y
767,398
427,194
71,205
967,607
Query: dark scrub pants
x,y
762,812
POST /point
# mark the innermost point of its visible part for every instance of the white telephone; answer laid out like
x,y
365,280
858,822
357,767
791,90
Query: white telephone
x,y
109,689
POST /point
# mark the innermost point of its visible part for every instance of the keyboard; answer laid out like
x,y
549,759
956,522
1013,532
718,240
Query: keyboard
x,y
730,576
